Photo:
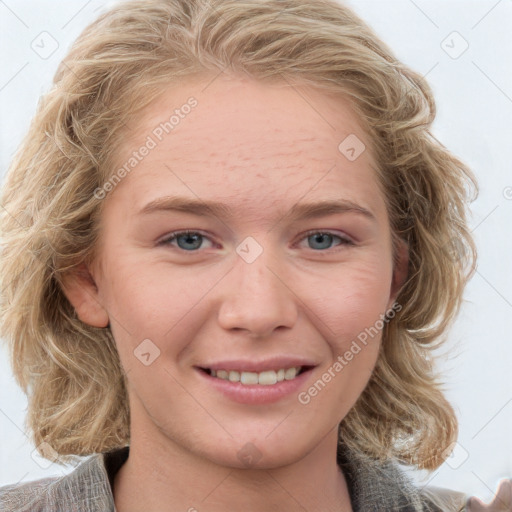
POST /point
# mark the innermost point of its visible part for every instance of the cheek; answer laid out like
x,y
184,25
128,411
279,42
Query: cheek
x,y
155,301
346,298
348,311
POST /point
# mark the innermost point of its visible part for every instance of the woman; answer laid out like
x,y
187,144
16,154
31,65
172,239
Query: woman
x,y
231,244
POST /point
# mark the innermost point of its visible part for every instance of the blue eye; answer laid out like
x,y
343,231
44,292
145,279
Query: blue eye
x,y
325,239
186,240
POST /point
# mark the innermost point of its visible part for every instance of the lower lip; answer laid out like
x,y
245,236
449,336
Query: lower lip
x,y
256,394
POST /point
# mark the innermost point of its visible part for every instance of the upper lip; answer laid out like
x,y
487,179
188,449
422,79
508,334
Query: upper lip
x,y
244,365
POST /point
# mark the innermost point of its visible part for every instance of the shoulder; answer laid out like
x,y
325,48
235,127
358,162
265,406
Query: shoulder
x,y
442,499
29,496
376,485
85,488
448,500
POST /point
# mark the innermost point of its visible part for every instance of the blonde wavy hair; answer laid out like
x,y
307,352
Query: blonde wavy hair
x,y
70,371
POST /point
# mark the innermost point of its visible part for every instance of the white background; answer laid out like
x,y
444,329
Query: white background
x,y
474,97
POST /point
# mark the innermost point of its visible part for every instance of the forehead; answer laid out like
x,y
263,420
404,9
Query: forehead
x,y
248,141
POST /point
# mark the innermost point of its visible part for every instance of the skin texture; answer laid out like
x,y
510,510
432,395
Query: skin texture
x,y
260,149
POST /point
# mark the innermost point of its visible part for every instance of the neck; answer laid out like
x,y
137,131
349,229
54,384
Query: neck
x,y
160,475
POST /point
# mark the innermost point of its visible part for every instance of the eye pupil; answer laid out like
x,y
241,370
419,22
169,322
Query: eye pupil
x,y
325,239
189,238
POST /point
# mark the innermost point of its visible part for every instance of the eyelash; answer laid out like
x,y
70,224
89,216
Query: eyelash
x,y
174,235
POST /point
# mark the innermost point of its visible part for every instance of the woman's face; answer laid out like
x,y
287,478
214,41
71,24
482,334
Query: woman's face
x,y
261,285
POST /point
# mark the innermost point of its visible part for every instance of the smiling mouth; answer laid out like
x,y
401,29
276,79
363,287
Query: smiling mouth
x,y
264,378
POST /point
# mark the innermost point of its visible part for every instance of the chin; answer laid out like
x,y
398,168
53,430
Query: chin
x,y
256,452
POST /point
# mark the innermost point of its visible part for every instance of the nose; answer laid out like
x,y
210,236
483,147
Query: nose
x,y
257,298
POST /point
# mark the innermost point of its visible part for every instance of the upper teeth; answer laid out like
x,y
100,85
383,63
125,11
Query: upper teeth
x,y
265,378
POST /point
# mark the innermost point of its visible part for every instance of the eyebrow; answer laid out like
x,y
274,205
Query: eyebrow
x,y
299,211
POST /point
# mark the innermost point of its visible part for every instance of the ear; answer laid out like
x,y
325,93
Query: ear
x,y
81,291
400,270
